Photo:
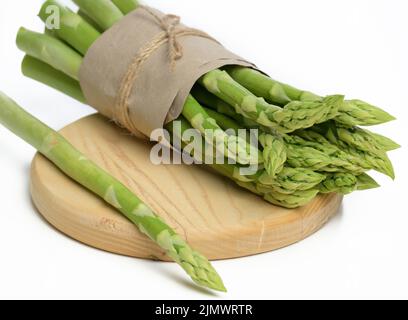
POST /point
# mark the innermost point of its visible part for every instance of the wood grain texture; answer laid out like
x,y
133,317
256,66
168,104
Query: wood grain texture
x,y
216,217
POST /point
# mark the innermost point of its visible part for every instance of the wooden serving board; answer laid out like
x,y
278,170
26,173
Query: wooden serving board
x,y
216,217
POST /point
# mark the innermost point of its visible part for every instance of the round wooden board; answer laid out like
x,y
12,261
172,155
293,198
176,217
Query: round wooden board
x,y
216,217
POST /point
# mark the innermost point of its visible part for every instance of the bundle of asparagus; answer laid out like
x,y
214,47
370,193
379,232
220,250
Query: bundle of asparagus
x,y
75,165
307,144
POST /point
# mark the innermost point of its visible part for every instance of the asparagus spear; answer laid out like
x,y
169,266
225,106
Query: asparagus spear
x,y
322,156
294,200
223,121
44,73
71,25
378,160
318,141
290,180
365,182
274,149
51,51
233,147
384,143
311,139
103,12
126,6
211,101
358,138
274,153
295,115
75,165
344,183
351,113
84,16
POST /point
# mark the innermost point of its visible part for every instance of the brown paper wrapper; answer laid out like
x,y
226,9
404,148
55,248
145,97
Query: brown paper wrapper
x,y
159,91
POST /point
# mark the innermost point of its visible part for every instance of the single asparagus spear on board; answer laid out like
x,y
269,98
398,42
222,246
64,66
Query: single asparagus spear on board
x,y
75,165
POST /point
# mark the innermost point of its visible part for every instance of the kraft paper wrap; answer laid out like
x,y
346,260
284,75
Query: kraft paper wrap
x,y
160,82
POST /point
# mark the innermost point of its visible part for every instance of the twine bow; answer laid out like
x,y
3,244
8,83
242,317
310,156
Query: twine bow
x,y
169,24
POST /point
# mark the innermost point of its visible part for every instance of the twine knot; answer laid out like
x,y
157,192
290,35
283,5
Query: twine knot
x,y
169,23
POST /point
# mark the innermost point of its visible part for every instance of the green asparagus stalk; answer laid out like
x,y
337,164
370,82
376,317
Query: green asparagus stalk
x,y
377,160
359,139
71,25
274,153
384,143
314,159
294,200
351,113
211,101
290,180
326,138
233,147
274,149
365,182
126,6
379,163
103,12
344,183
360,113
295,115
50,32
223,121
51,51
260,85
322,155
44,73
84,16
75,165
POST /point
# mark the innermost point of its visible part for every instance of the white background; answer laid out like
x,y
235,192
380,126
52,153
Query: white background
x,y
354,47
